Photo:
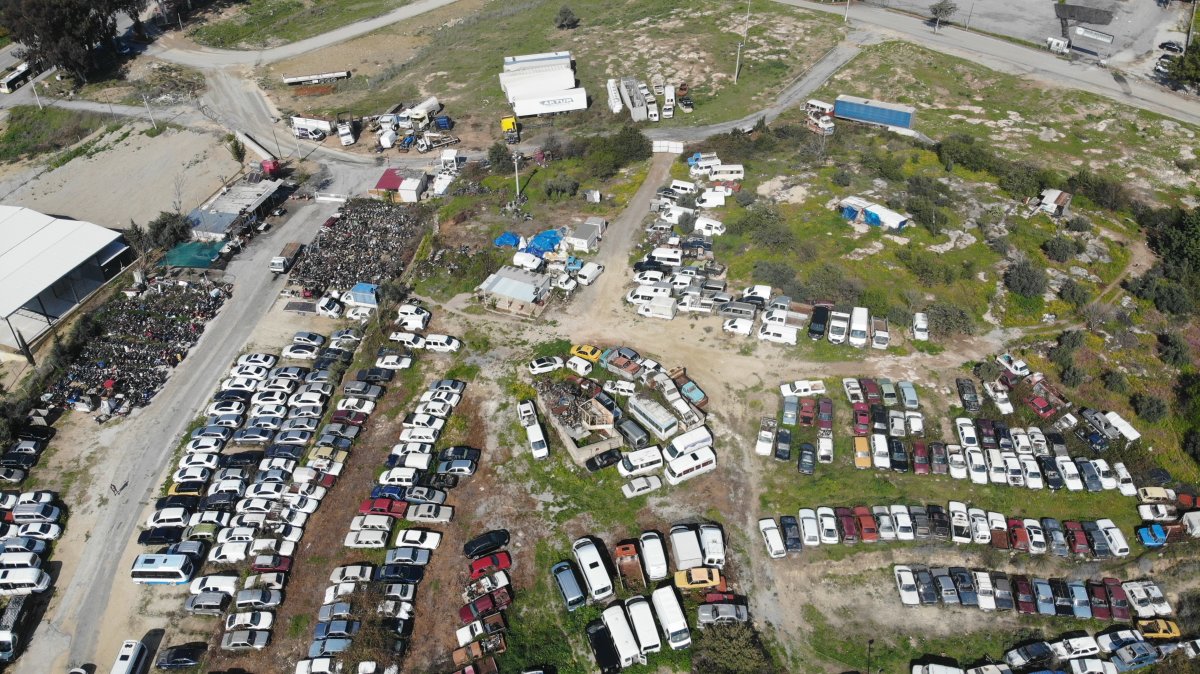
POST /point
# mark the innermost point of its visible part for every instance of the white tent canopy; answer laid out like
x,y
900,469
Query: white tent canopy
x,y
36,250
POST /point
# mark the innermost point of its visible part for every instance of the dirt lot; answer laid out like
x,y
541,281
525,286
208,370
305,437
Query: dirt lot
x,y
130,176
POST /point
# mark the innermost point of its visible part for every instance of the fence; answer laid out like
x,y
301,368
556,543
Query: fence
x,y
668,146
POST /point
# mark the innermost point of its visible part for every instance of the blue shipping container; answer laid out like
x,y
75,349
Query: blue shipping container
x,y
874,112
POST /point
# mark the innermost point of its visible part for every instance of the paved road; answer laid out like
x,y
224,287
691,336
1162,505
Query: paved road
x,y
147,439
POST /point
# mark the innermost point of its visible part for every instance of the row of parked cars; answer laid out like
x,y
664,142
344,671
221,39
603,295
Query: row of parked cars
x,y
29,441
1114,650
486,594
958,523
32,521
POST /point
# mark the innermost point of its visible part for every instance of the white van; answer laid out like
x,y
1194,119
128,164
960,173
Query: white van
x,y
727,172
670,618
713,541
859,323
642,619
996,470
779,334
683,187
702,167
668,256
622,636
654,555
131,659
641,462
15,582
595,576
589,273
644,293
688,442
709,226
20,560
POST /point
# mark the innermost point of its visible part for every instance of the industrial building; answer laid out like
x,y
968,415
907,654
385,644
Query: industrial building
x,y
398,185
237,206
542,84
48,265
516,290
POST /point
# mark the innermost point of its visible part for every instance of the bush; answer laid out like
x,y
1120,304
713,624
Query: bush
x,y
775,274
1191,443
1078,223
566,19
1148,407
1061,249
1173,350
1115,381
987,370
1026,278
842,178
744,198
927,214
832,283
561,186
1071,339
729,649
1172,298
1073,376
926,266
1074,293
947,320
499,156
884,165
1109,192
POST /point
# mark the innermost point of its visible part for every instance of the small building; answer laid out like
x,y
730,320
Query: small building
x,y
234,208
519,291
362,295
1055,202
398,185
857,209
585,238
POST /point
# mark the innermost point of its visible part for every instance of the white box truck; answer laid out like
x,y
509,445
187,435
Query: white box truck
x,y
839,325
663,307
685,546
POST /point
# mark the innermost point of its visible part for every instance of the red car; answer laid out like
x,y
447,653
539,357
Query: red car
x,y
862,419
868,528
871,390
939,459
1076,538
383,506
1098,594
847,525
1040,406
808,411
825,414
1017,534
485,565
1023,594
1118,601
719,597
349,417
497,600
267,563
920,458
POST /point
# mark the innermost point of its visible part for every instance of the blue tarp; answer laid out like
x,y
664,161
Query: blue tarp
x,y
850,212
364,294
544,242
507,240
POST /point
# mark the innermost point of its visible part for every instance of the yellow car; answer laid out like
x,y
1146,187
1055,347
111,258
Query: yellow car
x,y
587,352
1158,629
697,578
862,452
191,488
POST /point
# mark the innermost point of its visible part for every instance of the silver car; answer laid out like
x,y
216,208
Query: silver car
x,y
244,640
721,614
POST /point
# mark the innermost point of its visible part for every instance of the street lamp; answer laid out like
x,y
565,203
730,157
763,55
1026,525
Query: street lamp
x,y
847,17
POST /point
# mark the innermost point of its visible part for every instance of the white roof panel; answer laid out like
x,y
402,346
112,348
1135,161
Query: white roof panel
x,y
37,249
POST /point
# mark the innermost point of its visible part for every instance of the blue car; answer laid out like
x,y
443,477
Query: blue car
x,y
1134,656
1152,536
327,647
388,491
1044,596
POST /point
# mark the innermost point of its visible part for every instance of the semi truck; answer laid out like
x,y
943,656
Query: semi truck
x,y
281,263
874,112
512,133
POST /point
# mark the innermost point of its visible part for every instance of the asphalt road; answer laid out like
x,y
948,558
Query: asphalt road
x,y
147,438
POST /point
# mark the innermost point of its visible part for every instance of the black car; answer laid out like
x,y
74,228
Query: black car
x,y
34,433
374,375
1058,444
1089,474
783,445
1171,46
337,354
335,441
792,541
438,481
15,460
754,300
224,502
244,459
401,627
650,265
1003,436
603,648
400,573
819,322
463,452
191,503
183,656
939,522
1094,438
879,418
485,543
240,396
1062,597
898,454
1096,540
293,452
968,395
926,589
964,582
920,521
807,463
1050,474
161,536
603,460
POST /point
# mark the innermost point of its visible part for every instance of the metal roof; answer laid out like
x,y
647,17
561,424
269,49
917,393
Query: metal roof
x,y
516,284
37,249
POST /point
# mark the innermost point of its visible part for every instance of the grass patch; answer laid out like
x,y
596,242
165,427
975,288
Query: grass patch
x,y
299,626
265,22
456,272
569,492
32,132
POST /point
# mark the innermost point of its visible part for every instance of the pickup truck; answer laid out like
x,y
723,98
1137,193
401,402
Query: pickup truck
x,y
879,333
853,389
629,566
791,319
493,624
484,585
765,441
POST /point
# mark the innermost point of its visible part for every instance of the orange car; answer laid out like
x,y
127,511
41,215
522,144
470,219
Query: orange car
x,y
868,528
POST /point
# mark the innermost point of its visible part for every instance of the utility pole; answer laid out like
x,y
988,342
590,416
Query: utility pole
x,y
969,13
149,111
35,95
517,175
846,18
737,68
1188,42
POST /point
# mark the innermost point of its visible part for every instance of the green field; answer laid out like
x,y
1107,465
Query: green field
x,y
30,132
262,23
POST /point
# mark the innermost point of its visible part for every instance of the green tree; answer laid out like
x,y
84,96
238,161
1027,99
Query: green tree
x,y
237,149
630,145
1115,381
167,229
1148,407
941,11
566,19
729,649
1071,339
561,186
1060,248
1074,293
499,156
1186,68
1173,350
1073,376
1026,278
1191,443
947,319
62,32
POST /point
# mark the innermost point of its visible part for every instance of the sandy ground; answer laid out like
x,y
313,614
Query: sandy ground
x,y
135,178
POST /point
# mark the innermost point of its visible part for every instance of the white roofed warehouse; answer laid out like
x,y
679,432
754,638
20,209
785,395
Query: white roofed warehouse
x,y
48,265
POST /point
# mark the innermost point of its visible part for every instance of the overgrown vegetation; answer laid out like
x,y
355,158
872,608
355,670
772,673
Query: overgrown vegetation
x,y
266,22
31,132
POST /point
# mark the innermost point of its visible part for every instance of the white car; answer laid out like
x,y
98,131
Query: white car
x,y
827,526
999,397
648,277
226,407
267,398
366,538
239,384
1069,473
985,593
1037,537
883,521
261,359
1112,641
920,327
738,326
1124,480
301,503
810,528
545,365
906,583
254,505
1108,479
449,397
1041,447
419,538
410,339
168,517
1033,474
424,421
402,477
360,314
1013,471
966,433
256,372
956,461
209,461
300,352
204,446
194,474
308,338
229,553
225,583
771,538
356,405
329,307
981,533
960,522
217,517
42,531
1021,442
1013,365
302,398
372,523
802,388
641,485
1116,538
916,423
272,491
251,620
1158,600
393,361
352,573
976,466
440,410
903,522
880,457
442,343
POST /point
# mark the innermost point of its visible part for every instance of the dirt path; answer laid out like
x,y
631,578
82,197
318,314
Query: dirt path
x,y
1141,258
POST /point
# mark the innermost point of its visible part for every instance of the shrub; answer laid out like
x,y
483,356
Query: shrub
x,y
1074,293
947,319
1071,339
1026,278
1172,298
561,186
1073,376
926,213
1173,350
1149,407
832,283
744,198
842,178
1115,381
1191,443
730,649
1078,223
775,274
1061,249
499,156
566,19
